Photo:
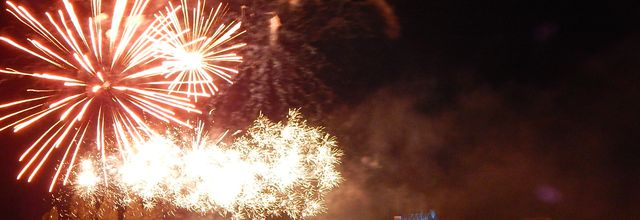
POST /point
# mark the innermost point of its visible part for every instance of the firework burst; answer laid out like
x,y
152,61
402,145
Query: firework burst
x,y
274,169
102,82
201,52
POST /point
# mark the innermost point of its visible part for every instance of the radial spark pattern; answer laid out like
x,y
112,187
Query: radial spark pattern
x,y
102,80
200,54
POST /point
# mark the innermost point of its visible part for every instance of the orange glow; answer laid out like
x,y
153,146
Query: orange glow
x,y
84,69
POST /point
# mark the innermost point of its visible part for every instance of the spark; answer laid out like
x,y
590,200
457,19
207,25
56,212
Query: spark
x,y
201,48
101,76
273,169
87,177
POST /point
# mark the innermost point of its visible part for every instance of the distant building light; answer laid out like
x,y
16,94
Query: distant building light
x,y
431,215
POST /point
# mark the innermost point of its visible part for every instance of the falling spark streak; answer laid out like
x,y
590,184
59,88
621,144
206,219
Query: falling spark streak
x,y
194,58
273,169
101,84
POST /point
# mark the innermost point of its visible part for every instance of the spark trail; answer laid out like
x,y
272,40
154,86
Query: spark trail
x,y
202,52
101,81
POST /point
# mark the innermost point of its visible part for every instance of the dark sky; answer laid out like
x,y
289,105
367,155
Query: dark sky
x,y
478,110
495,110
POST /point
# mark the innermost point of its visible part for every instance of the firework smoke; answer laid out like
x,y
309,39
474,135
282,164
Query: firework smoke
x,y
298,52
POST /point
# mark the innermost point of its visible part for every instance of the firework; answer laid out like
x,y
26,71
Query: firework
x,y
202,50
273,169
102,81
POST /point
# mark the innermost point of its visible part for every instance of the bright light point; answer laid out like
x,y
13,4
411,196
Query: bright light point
x,y
87,177
191,61
96,88
134,20
101,17
109,34
287,132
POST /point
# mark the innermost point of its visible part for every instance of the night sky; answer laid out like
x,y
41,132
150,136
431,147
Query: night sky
x,y
477,110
